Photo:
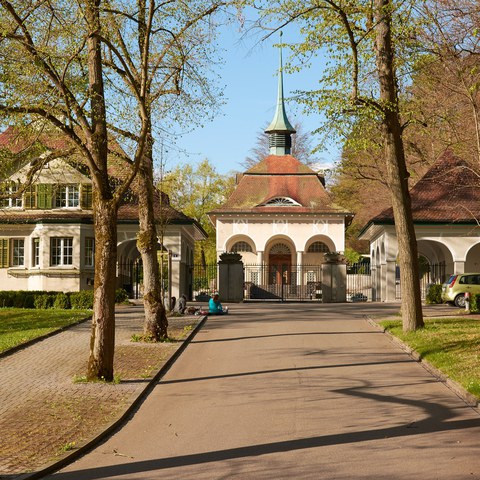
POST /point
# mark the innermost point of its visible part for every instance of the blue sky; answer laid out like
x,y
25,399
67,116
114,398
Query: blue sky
x,y
250,77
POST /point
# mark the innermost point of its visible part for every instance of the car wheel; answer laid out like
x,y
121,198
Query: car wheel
x,y
460,301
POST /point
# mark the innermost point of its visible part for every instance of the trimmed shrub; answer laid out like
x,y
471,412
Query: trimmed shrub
x,y
120,295
434,294
44,301
82,300
475,303
62,301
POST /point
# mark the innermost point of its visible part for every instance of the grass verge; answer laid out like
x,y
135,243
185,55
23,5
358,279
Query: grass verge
x,y
449,344
19,325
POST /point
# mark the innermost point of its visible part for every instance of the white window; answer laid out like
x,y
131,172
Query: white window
x,y
35,252
318,247
61,251
67,196
241,247
18,252
12,201
89,251
281,202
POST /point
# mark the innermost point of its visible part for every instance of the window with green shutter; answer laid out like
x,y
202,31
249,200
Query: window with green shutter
x,y
4,252
30,197
44,195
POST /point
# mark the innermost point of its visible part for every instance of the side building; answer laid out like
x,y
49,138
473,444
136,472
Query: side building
x,y
47,236
446,212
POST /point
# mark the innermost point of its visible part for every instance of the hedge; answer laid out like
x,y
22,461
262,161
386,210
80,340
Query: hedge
x,y
61,300
434,294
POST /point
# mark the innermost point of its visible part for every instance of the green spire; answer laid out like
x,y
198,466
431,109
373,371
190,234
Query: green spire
x,y
280,123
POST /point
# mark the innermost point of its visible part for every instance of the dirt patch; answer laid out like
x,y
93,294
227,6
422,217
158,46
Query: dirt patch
x,y
64,415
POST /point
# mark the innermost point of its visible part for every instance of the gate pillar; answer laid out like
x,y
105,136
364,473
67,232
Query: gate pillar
x,y
334,281
230,277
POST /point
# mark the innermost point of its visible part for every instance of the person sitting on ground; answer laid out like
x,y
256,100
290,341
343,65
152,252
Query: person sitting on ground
x,y
182,304
215,307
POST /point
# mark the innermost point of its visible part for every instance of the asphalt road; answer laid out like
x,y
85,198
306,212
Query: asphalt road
x,y
293,391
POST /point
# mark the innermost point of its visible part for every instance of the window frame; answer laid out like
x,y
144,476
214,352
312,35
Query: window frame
x,y
35,251
17,257
61,251
67,196
89,252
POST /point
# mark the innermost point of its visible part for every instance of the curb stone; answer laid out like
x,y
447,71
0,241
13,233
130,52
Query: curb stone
x,y
461,392
134,404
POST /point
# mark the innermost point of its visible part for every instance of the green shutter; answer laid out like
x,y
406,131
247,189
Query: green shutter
x,y
44,196
86,196
30,197
4,250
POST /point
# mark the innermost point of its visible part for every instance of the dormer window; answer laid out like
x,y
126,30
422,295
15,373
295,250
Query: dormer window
x,y
12,201
67,196
281,202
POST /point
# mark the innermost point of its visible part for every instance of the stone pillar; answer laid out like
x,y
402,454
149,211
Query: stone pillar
x,y
299,268
390,281
459,266
334,279
230,277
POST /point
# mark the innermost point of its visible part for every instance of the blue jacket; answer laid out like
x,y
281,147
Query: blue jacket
x,y
214,307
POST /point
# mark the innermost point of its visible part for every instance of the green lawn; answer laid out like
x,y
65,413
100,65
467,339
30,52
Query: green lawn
x,y
19,325
450,344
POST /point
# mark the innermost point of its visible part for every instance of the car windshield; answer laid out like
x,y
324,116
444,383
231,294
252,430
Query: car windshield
x,y
451,279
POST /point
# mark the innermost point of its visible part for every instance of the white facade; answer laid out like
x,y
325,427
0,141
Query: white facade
x,y
456,248
47,237
263,232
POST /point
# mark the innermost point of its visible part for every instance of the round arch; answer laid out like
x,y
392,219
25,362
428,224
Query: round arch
x,y
280,255
315,248
320,238
438,260
472,259
229,244
245,246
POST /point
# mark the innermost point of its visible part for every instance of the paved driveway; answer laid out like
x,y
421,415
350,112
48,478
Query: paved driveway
x,y
293,391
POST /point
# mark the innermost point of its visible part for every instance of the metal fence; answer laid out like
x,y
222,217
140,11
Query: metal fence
x,y
283,282
204,281
430,274
359,282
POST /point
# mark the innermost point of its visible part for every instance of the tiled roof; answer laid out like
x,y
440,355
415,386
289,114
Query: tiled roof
x,y
16,141
127,212
448,193
279,176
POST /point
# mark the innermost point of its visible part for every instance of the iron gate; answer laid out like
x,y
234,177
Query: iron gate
x,y
283,282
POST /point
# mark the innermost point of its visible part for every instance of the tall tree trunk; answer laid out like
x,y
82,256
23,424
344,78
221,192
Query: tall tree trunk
x,y
102,342
102,339
397,171
156,323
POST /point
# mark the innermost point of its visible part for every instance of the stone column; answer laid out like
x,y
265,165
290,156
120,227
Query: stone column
x,y
389,278
300,268
334,279
230,277
459,266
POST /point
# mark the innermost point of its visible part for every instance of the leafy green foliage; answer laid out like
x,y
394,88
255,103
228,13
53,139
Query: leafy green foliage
x,y
434,294
82,300
62,301
475,303
42,302
196,191
121,295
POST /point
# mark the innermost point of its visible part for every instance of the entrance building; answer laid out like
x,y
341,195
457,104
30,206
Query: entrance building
x,y
280,218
